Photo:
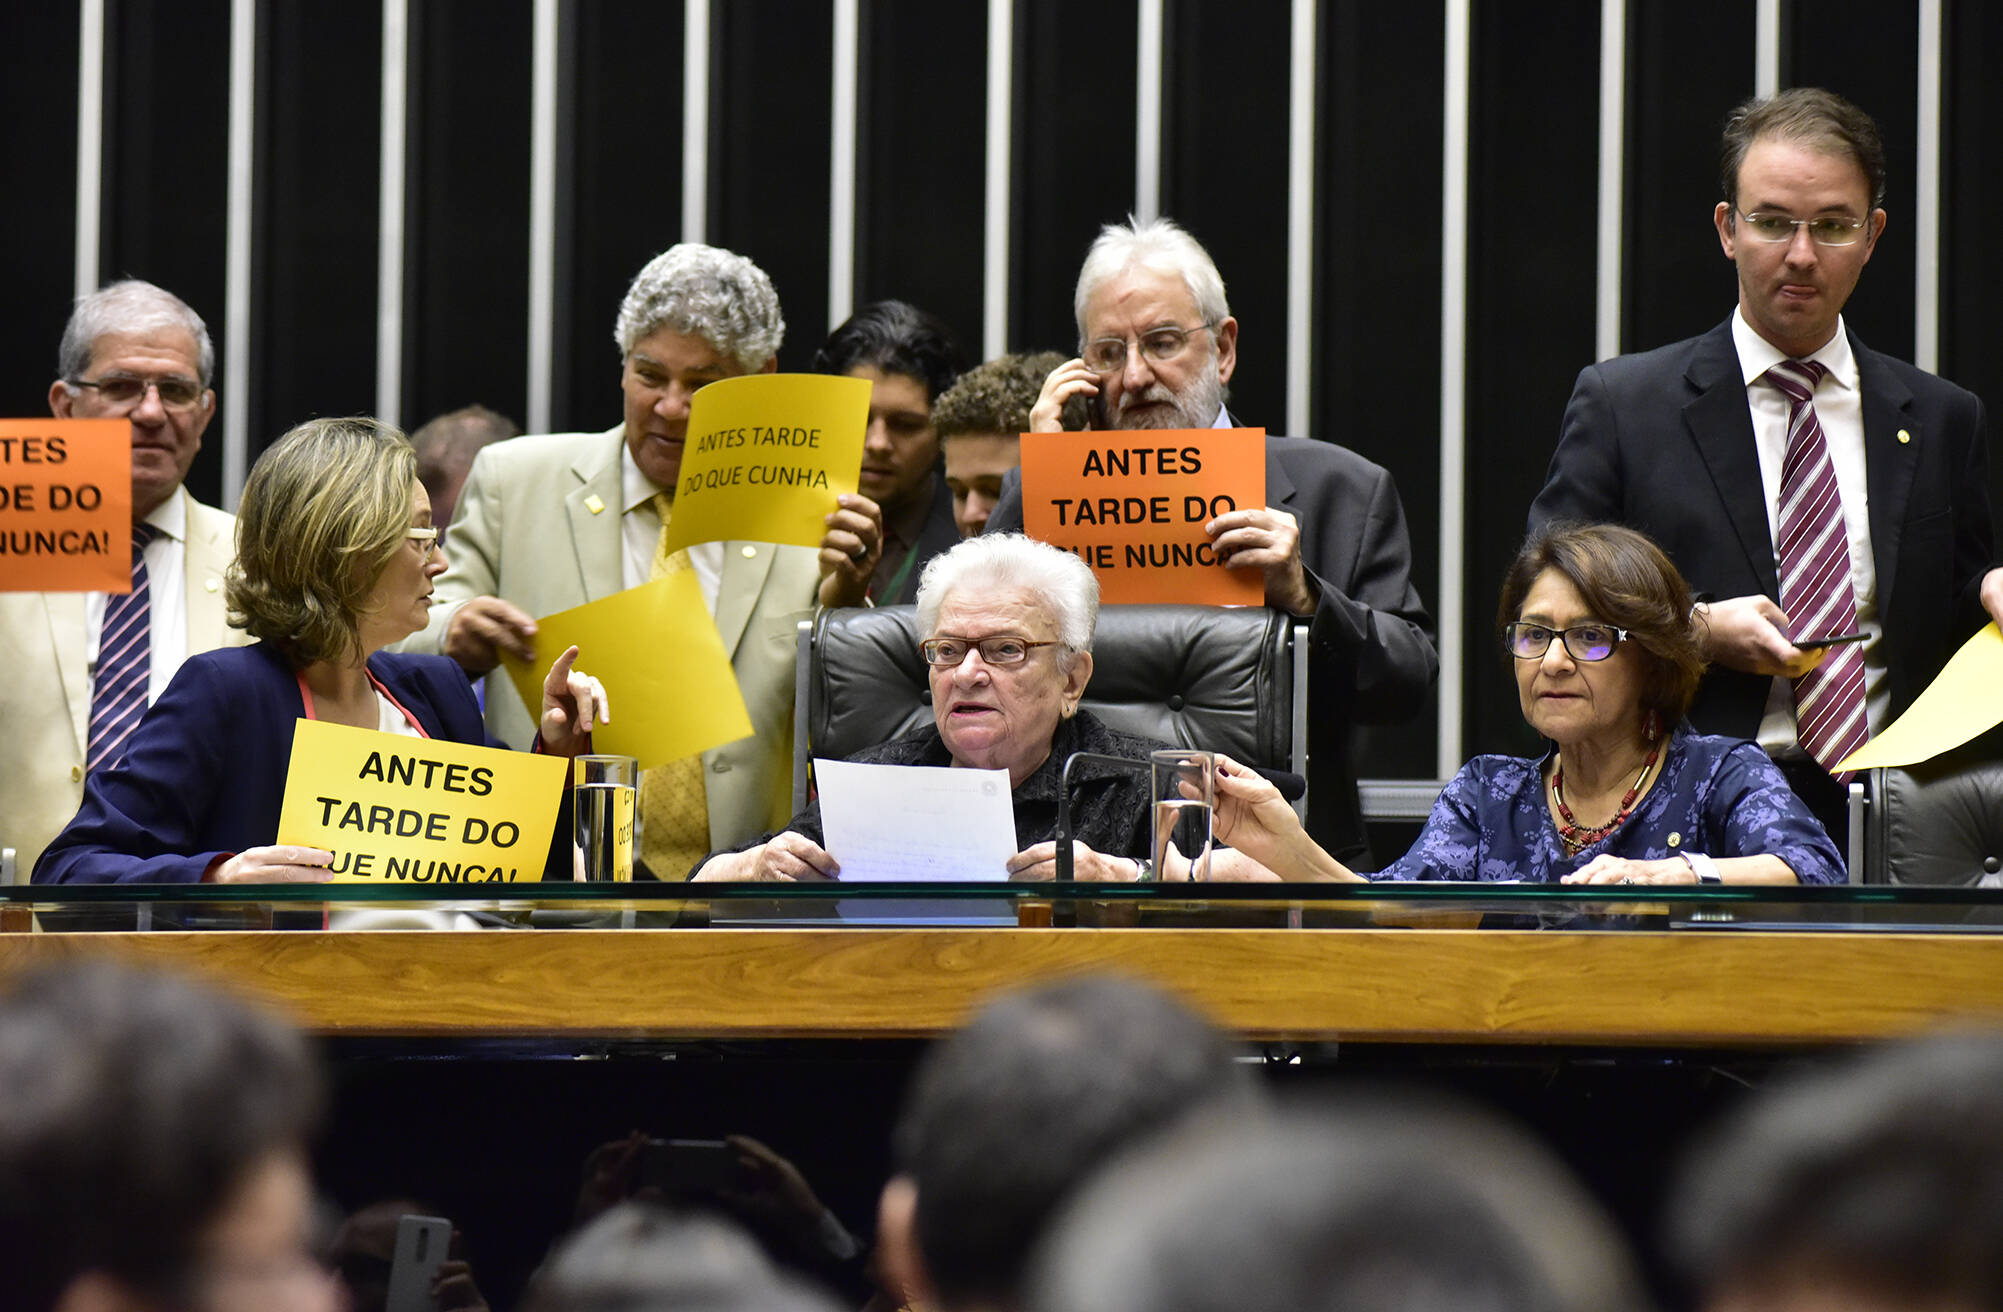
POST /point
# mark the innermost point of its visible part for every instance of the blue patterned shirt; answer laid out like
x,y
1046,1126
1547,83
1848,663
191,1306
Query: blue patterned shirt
x,y
1719,796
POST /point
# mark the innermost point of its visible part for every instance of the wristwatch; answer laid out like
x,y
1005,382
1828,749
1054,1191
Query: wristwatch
x,y
1704,868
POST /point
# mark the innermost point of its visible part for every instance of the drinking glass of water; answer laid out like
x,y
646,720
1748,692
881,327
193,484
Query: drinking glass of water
x,y
1185,788
606,803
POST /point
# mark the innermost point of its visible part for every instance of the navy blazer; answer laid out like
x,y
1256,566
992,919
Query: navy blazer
x,y
1663,442
203,776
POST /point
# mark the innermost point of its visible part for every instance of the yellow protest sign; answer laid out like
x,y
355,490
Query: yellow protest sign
x,y
1965,699
766,455
66,505
1133,506
667,677
403,810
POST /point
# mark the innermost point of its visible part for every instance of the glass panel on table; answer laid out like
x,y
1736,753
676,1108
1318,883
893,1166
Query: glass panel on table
x,y
1308,906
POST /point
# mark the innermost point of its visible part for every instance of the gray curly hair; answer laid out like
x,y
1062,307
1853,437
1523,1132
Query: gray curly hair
x,y
706,292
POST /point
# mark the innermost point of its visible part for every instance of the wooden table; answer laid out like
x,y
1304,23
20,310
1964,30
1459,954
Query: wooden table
x,y
1430,985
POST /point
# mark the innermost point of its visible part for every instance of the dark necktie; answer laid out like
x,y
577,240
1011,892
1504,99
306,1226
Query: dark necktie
x,y
1815,575
124,661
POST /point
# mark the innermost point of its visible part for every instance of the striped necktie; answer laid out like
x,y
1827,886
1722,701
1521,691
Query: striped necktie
x,y
1815,575
124,661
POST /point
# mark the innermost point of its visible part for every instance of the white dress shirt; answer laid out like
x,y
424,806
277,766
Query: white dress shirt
x,y
640,534
391,719
1839,406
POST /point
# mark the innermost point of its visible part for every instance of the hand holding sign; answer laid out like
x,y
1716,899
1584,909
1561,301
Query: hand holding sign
x,y
1269,541
851,550
281,863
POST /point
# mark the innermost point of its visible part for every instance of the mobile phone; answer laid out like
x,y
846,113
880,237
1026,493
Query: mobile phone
x,y
422,1245
688,1168
1082,413
1831,641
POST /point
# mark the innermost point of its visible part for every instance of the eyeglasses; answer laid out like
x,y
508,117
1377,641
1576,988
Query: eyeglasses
x,y
994,651
176,393
1827,230
1108,355
425,538
1585,642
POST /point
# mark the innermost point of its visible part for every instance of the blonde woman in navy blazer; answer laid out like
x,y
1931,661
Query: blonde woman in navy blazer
x,y
336,555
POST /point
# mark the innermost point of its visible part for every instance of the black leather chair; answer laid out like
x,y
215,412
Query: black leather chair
x,y
1214,678
1939,823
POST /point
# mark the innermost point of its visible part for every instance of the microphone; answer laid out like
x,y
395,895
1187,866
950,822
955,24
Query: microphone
x,y
1291,787
1063,834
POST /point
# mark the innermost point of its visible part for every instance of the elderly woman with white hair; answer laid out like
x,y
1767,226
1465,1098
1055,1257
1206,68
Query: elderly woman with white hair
x,y
1008,638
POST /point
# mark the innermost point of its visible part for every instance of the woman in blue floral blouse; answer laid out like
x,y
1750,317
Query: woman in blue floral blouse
x,y
1596,622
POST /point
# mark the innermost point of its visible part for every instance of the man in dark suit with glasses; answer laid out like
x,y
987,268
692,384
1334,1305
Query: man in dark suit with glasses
x,y
1157,345
1809,488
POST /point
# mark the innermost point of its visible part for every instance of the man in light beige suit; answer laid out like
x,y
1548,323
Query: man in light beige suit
x,y
131,351
546,523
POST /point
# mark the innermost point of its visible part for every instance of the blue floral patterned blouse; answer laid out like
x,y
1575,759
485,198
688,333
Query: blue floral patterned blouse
x,y
1719,796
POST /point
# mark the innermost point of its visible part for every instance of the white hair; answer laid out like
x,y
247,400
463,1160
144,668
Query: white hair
x,y
706,292
1159,244
131,306
1061,582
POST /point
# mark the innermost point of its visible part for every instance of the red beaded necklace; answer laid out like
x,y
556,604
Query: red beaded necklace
x,y
1578,837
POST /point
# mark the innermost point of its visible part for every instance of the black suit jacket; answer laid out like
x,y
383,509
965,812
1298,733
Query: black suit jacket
x,y
1663,442
1371,658
939,533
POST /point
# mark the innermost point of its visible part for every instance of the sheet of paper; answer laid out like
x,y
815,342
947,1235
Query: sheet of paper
x,y
1965,699
667,677
893,823
766,455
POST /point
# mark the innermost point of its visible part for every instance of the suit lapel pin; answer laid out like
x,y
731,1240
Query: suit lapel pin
x,y
596,506
1904,437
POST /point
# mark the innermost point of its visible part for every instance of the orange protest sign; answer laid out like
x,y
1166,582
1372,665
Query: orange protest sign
x,y
1133,506
65,505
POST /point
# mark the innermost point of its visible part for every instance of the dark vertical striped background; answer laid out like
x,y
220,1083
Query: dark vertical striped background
x,y
922,70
